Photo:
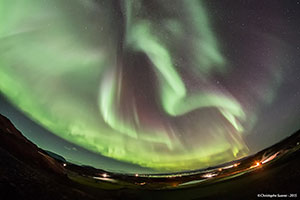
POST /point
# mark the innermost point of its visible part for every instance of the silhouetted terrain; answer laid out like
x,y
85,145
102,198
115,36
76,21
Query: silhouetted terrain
x,y
28,172
17,145
56,156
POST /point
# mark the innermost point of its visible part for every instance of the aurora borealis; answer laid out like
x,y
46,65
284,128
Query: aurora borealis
x,y
168,85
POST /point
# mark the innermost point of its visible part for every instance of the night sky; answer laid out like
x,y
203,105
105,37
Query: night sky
x,y
149,85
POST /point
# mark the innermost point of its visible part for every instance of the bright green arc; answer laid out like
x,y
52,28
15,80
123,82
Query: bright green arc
x,y
52,56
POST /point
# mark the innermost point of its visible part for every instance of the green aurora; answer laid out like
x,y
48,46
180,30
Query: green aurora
x,y
64,63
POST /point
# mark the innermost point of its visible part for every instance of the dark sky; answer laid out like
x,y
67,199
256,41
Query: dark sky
x,y
244,22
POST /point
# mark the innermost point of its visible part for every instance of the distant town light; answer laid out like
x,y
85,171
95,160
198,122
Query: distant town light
x,y
64,164
209,175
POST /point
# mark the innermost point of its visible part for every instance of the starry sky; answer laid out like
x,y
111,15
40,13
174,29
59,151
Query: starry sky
x,y
151,86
